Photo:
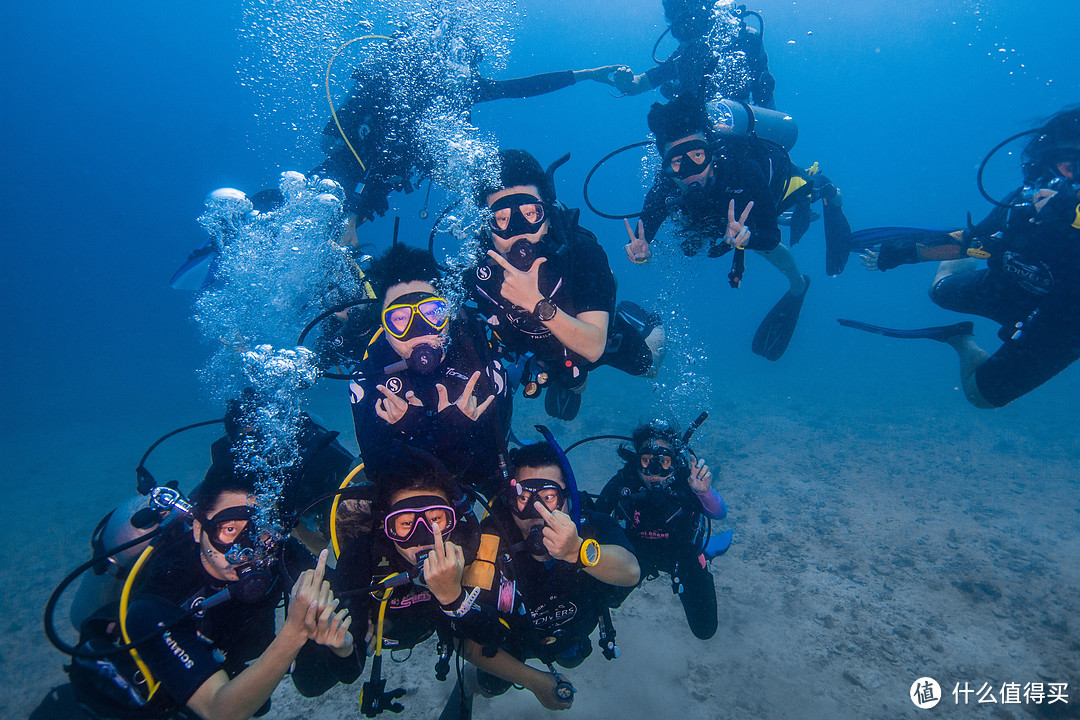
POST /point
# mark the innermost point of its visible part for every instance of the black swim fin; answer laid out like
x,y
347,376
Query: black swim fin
x,y
458,705
562,403
837,238
940,333
774,333
897,236
801,217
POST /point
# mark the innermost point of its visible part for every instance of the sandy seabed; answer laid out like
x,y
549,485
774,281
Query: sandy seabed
x,y
872,547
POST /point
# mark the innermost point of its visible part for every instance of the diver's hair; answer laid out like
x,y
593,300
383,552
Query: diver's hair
x,y
656,430
1060,132
407,468
645,433
518,167
677,119
401,264
214,485
536,455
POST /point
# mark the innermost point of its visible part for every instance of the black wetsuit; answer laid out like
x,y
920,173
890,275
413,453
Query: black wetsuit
x,y
666,529
703,213
384,136
549,608
226,637
322,466
693,69
469,449
578,278
413,614
1032,277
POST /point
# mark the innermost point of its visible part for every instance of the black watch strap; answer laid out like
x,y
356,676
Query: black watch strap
x,y
546,310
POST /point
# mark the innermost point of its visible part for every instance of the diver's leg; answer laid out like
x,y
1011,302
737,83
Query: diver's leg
x,y
952,267
971,357
782,259
698,598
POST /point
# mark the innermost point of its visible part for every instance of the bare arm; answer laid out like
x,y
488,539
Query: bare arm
x,y
311,615
584,334
616,566
509,668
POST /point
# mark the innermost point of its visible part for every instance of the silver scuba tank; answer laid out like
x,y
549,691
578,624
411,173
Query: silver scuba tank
x,y
737,118
103,584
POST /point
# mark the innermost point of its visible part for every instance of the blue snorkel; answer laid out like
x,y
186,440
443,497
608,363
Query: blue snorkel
x,y
574,502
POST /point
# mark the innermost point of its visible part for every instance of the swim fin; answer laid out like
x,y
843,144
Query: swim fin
x,y
799,221
897,236
718,545
774,333
458,705
561,402
194,274
940,333
837,238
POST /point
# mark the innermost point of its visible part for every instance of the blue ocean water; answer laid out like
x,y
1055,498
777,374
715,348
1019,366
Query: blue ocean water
x,y
119,119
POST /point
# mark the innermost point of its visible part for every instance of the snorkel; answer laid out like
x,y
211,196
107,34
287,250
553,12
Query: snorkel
x,y
572,499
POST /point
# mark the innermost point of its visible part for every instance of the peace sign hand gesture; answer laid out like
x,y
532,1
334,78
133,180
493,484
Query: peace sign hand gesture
x,y
467,402
637,250
737,234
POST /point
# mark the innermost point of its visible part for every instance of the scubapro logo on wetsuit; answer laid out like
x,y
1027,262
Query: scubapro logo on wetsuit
x,y
394,385
178,651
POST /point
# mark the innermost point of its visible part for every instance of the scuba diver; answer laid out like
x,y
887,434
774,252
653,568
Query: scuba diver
x,y
1031,283
198,613
372,144
698,69
547,292
411,574
552,572
320,466
425,378
721,200
659,500
721,68
230,216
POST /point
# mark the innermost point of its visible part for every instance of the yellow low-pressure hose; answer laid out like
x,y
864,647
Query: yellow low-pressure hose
x,y
151,684
333,510
330,98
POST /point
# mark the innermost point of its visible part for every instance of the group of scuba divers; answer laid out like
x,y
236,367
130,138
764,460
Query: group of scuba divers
x,y
439,527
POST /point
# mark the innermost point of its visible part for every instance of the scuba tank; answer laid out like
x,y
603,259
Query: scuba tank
x,y
738,118
104,585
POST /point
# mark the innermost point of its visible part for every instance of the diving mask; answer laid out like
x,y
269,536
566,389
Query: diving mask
x,y
525,492
230,533
687,159
656,461
517,214
411,522
416,314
